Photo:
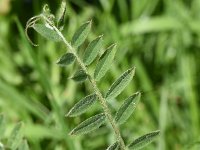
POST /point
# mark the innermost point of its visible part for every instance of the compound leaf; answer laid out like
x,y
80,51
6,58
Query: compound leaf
x,y
81,34
89,125
16,136
127,108
144,140
80,76
105,62
119,85
47,32
66,59
92,50
82,105
114,146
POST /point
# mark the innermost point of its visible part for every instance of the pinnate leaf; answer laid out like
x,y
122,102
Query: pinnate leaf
x,y
105,62
89,125
119,85
144,140
82,105
16,136
80,76
92,50
66,59
114,146
81,34
127,108
47,32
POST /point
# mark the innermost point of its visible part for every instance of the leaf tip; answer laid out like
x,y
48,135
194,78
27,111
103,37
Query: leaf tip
x,y
138,93
101,36
157,132
90,22
71,133
68,114
114,45
132,70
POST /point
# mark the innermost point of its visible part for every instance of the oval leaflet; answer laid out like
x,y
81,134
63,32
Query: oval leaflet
x,y
143,140
80,76
82,105
81,34
47,32
127,108
119,85
89,125
92,50
66,59
104,62
16,136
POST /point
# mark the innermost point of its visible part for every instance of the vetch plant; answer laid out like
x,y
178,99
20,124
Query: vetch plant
x,y
50,27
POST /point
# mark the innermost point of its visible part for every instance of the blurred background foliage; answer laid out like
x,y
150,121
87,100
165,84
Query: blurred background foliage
x,y
161,38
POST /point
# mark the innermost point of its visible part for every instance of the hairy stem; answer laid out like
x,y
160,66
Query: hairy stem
x,y
96,89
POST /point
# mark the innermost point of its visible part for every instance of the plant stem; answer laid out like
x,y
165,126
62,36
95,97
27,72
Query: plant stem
x,y
96,89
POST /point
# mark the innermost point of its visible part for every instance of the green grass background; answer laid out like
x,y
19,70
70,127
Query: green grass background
x,y
161,38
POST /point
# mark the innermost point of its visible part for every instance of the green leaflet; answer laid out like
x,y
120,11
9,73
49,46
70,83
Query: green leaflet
x,y
89,125
23,145
81,34
92,50
61,20
16,136
80,76
66,59
143,140
47,32
119,85
105,62
82,105
127,108
114,146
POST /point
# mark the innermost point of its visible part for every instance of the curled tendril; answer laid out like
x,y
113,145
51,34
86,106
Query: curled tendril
x,y
44,16
46,9
30,23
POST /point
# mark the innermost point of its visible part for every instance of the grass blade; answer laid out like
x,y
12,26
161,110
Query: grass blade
x,y
16,136
127,108
66,59
119,85
80,76
143,140
104,62
82,105
2,125
89,125
47,32
92,50
81,34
